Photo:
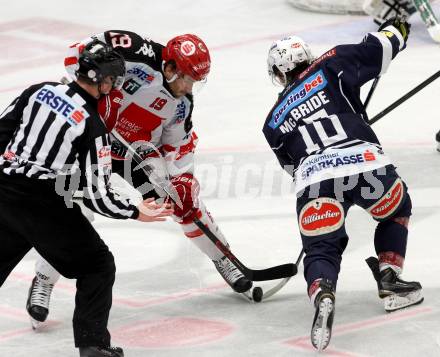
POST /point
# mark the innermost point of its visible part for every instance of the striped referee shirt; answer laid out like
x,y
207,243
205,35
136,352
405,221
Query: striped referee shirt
x,y
53,130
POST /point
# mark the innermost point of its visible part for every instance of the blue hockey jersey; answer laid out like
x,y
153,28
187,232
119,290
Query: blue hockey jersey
x,y
321,113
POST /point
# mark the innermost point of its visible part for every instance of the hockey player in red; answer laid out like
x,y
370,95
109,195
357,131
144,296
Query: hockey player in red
x,y
155,117
318,130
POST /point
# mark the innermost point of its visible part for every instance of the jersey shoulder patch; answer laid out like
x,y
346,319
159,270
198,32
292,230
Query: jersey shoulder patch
x,y
61,104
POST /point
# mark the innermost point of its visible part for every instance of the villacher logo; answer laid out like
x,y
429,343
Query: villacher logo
x,y
389,202
315,217
321,216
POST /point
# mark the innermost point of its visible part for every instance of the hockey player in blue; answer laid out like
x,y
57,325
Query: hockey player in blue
x,y
319,131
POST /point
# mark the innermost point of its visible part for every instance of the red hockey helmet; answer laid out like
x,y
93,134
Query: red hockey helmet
x,y
190,54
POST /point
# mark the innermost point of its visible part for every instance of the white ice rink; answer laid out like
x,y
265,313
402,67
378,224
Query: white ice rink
x,y
168,298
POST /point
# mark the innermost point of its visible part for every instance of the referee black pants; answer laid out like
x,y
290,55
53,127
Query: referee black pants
x,y
33,215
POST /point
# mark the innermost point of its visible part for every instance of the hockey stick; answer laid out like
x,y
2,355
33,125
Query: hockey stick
x,y
277,272
370,93
404,97
257,294
283,282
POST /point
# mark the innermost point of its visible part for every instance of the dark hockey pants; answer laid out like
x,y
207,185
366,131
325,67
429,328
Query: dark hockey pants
x,y
33,215
323,232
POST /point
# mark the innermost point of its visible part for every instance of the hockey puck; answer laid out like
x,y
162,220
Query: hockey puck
x,y
257,294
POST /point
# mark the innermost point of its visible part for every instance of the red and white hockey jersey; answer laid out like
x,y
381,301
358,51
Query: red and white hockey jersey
x,y
149,113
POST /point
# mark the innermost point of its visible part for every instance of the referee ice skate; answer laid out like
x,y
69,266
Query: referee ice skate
x,y
50,135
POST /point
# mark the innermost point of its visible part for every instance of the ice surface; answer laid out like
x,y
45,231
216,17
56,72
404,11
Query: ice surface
x,y
168,298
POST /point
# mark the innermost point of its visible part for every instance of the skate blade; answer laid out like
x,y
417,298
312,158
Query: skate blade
x,y
247,295
397,302
321,333
35,324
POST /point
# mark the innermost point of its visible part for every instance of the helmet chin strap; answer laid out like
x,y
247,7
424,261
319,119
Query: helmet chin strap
x,y
283,80
279,80
173,78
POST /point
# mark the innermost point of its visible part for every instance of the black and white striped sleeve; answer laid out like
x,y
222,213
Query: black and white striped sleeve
x,y
98,194
10,117
8,123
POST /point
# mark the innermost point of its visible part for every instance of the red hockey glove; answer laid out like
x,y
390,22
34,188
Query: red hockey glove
x,y
108,107
188,189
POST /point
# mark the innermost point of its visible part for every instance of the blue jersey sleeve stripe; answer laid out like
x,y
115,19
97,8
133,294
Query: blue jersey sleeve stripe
x,y
387,50
397,33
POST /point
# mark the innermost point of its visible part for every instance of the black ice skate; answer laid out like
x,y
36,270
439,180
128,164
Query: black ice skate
x,y
325,311
101,352
37,304
395,292
232,275
437,138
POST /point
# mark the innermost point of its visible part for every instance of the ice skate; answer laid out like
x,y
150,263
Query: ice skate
x,y
38,300
395,292
101,352
325,311
234,277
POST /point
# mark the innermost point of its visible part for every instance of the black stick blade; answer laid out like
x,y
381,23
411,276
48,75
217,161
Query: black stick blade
x,y
278,272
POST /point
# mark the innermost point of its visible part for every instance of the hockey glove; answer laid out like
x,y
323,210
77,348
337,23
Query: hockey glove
x,y
401,25
108,107
187,188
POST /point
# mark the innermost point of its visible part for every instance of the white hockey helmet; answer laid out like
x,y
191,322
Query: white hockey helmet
x,y
285,55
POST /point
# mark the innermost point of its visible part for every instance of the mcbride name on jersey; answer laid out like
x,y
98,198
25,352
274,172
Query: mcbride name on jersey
x,y
149,111
321,112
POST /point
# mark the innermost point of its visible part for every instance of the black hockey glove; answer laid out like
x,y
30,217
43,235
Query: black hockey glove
x,y
401,25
